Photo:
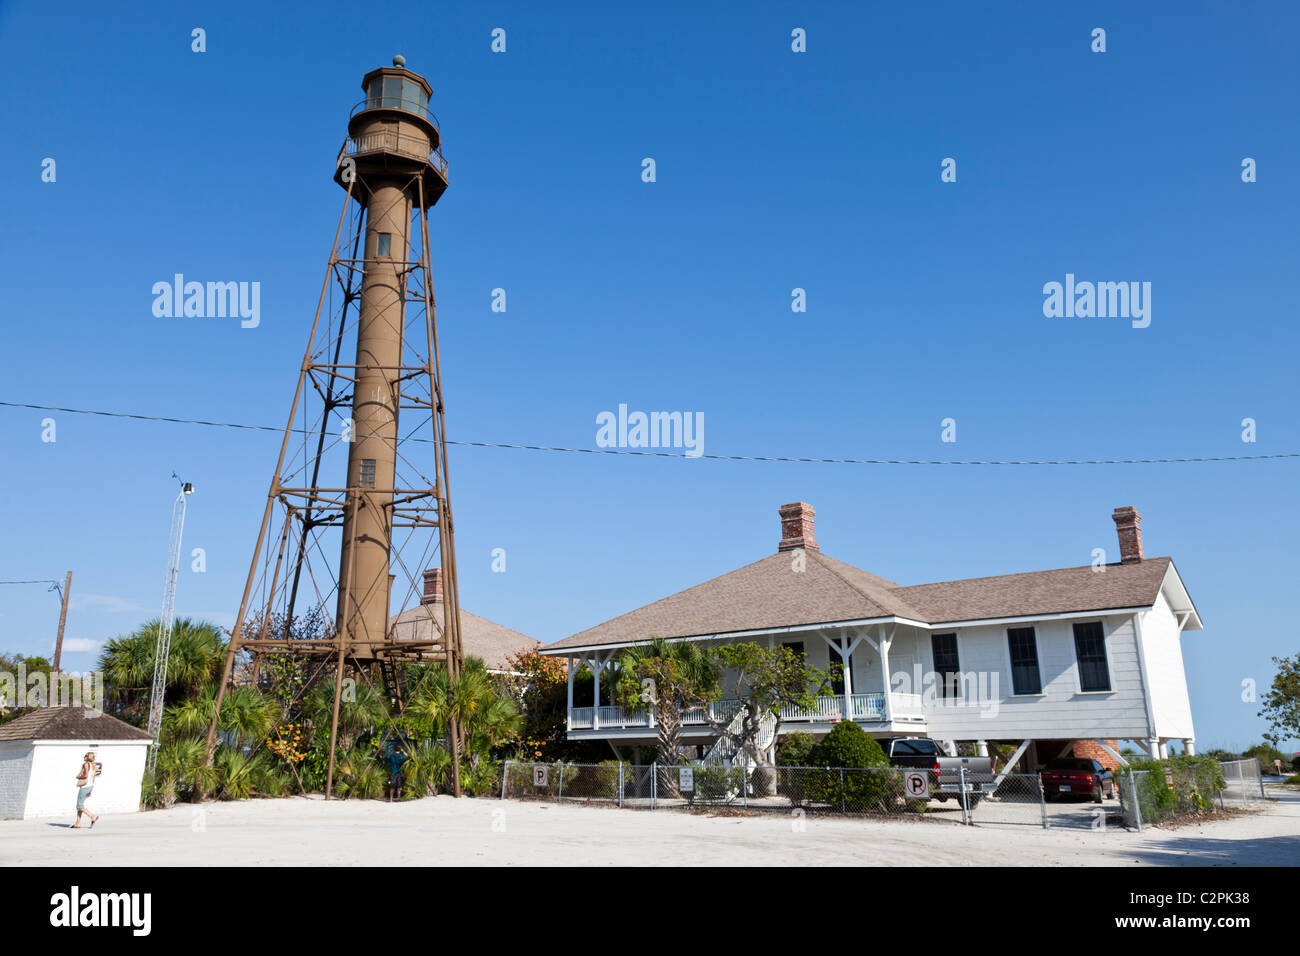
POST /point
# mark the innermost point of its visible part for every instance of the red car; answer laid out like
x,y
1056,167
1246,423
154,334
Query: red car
x,y
1077,777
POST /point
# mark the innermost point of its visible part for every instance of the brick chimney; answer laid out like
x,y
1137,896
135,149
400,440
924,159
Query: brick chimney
x,y
797,527
432,586
1128,523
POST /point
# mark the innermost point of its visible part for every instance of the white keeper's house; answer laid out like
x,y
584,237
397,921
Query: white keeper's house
x,y
1074,659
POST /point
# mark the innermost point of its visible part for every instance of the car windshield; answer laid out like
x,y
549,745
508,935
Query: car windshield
x,y
1074,764
916,746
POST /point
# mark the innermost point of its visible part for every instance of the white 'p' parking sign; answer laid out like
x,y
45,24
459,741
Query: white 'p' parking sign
x,y
539,776
917,785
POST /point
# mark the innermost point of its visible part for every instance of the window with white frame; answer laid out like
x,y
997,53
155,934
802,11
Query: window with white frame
x,y
1090,650
946,663
1023,646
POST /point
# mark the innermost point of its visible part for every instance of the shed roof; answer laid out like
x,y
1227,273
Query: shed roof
x,y
69,723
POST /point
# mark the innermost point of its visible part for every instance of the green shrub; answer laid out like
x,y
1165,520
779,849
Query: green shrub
x,y
1155,798
715,784
427,772
483,780
848,745
1180,784
858,779
795,750
240,776
158,791
358,774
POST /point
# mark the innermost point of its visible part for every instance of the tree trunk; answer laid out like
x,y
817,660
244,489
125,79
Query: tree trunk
x,y
669,727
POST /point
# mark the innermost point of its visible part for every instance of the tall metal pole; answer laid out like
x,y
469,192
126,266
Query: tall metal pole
x,y
63,619
162,649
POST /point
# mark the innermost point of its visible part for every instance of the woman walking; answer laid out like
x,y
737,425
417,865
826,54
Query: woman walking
x,y
85,787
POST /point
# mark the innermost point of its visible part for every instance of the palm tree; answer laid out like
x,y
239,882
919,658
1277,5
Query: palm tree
x,y
364,709
667,676
193,662
247,716
487,718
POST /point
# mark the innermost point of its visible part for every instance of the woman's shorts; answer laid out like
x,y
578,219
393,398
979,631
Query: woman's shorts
x,y
82,794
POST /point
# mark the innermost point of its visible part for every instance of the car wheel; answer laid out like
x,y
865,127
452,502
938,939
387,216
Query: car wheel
x,y
1098,797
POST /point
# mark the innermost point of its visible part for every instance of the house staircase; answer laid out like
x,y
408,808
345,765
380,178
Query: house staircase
x,y
725,753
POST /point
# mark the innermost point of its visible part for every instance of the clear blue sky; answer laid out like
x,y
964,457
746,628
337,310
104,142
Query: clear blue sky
x,y
775,171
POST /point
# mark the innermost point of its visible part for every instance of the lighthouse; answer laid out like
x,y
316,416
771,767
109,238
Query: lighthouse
x,y
359,500
392,163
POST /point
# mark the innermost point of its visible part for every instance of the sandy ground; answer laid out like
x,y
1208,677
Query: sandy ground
x,y
444,831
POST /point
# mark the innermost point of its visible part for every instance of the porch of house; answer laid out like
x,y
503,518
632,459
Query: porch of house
x,y
898,712
858,692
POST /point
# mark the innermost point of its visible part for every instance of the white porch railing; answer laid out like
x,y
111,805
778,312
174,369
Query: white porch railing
x,y
907,706
618,717
865,707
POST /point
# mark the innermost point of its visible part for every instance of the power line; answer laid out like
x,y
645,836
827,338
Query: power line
x,y
669,454
50,581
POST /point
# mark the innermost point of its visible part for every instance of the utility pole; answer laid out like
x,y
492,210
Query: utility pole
x,y
63,619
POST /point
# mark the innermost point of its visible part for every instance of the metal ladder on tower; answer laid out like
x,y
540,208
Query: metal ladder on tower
x,y
392,681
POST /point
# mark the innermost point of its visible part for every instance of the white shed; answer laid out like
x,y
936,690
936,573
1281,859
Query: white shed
x,y
41,752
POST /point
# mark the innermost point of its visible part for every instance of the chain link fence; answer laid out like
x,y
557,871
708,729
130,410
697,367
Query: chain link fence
x,y
1153,796
1145,797
602,783
881,792
1243,783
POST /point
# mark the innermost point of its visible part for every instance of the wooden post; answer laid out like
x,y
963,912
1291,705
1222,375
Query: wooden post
x,y
63,619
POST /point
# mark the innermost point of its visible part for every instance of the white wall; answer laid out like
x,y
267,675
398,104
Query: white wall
x,y
52,791
1162,643
15,768
1061,710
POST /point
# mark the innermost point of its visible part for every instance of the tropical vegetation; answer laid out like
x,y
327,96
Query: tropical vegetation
x,y
274,728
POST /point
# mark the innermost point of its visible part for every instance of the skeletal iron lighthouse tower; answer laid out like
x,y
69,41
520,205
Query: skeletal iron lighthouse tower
x,y
362,472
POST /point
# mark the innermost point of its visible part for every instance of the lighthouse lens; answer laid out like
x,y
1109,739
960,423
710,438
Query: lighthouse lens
x,y
410,99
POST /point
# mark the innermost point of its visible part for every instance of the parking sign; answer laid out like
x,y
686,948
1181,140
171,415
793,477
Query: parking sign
x,y
917,785
686,779
539,776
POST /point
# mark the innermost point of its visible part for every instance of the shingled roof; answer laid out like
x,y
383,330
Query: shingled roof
x,y
771,594
69,723
1040,592
490,642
